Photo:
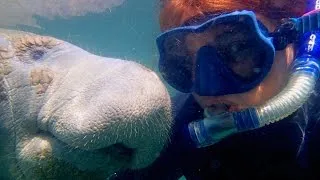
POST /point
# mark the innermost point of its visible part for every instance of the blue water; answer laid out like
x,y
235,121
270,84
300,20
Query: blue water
x,y
127,32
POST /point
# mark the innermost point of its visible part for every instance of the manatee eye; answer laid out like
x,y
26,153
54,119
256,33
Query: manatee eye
x,y
37,54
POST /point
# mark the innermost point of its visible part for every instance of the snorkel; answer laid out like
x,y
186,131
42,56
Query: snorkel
x,y
304,75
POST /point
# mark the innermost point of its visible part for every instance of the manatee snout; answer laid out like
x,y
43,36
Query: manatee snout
x,y
115,104
75,112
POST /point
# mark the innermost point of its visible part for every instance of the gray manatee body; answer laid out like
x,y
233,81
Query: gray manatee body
x,y
69,114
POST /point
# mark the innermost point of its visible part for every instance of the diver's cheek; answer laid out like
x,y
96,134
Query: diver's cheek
x,y
277,78
290,52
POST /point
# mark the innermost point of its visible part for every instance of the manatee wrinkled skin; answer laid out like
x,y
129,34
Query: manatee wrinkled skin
x,y
69,114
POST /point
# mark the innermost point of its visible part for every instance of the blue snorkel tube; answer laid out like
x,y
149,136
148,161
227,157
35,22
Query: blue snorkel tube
x,y
303,78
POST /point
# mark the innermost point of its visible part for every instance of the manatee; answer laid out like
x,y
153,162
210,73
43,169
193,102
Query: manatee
x,y
68,114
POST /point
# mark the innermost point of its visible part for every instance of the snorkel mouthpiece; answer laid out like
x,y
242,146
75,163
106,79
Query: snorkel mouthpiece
x,y
303,78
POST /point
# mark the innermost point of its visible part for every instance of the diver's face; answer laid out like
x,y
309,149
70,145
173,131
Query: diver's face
x,y
269,87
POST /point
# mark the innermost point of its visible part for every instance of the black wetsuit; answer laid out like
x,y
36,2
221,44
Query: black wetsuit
x,y
289,149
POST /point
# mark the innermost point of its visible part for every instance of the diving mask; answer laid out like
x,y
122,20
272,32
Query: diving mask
x,y
235,55
304,75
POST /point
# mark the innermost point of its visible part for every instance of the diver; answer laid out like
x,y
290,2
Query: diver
x,y
248,71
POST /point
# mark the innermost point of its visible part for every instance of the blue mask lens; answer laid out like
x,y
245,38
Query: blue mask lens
x,y
224,79
236,56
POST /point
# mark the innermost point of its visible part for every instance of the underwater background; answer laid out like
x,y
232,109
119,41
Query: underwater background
x,y
125,31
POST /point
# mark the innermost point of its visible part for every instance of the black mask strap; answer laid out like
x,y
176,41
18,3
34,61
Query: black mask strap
x,y
291,30
285,34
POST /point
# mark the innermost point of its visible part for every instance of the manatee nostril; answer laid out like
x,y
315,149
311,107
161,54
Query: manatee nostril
x,y
119,152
